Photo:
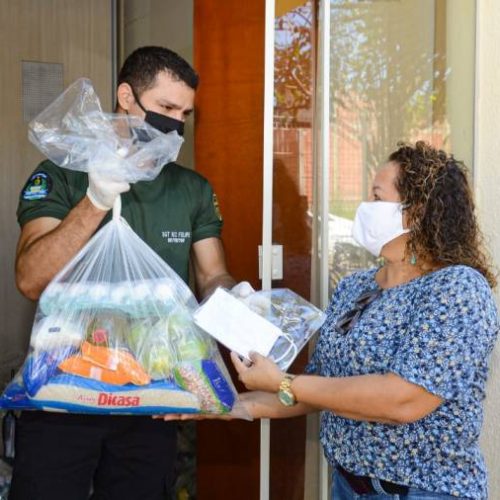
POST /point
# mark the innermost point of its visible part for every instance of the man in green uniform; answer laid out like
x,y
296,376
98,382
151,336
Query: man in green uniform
x,y
59,456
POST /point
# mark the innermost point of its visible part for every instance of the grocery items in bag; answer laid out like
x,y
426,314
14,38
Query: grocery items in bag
x,y
113,331
135,355
205,379
86,395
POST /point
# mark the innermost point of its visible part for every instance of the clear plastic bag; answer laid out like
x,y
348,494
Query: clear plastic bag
x,y
113,331
75,133
242,329
297,319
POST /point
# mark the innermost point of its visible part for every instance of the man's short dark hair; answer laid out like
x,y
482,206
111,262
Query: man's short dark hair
x,y
142,66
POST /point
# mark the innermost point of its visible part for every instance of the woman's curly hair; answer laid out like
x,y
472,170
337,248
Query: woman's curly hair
x,y
439,204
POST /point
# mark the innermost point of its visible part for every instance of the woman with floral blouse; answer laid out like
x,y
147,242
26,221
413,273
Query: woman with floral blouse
x,y
400,367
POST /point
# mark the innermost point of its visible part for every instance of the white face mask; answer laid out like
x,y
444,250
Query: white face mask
x,y
376,223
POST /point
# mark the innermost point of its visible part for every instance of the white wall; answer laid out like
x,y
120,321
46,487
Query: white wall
x,y
487,187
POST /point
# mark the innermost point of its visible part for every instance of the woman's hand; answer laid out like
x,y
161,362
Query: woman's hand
x,y
195,416
242,409
249,406
261,375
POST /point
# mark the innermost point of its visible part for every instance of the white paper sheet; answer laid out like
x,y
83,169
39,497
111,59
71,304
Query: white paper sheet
x,y
234,325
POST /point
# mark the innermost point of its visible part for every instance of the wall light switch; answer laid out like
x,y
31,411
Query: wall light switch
x,y
276,263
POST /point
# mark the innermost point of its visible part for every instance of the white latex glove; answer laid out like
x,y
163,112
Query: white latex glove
x,y
256,302
103,191
242,290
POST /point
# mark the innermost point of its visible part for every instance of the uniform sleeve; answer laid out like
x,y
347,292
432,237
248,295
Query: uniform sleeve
x,y
45,194
452,333
208,220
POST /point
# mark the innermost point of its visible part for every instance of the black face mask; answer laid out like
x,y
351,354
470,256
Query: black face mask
x,y
160,122
163,123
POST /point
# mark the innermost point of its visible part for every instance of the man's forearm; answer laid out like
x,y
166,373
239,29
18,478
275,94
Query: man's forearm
x,y
223,280
39,259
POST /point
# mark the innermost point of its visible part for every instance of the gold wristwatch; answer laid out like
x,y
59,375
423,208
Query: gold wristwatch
x,y
285,393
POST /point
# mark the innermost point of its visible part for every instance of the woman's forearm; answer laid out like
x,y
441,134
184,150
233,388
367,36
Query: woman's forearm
x,y
379,398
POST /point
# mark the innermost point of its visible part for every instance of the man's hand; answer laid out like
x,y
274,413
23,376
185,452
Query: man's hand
x,y
102,191
242,290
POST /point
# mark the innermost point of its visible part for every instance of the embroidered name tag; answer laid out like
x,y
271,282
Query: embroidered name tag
x,y
176,236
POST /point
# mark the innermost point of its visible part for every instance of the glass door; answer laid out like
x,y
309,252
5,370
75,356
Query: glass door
x,y
295,35
399,71
350,79
288,459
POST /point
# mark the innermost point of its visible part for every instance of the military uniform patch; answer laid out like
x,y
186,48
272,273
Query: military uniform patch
x,y
216,207
38,186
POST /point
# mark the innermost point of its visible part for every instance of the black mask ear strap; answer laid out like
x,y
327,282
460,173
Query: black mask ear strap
x,y
136,97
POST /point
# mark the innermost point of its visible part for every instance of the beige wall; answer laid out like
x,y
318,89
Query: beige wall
x,y
487,188
76,33
460,82
168,23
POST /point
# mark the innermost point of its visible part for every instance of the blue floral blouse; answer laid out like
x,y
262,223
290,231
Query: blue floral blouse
x,y
436,331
